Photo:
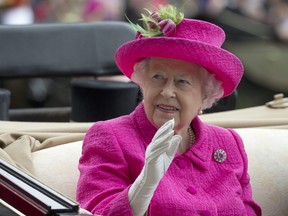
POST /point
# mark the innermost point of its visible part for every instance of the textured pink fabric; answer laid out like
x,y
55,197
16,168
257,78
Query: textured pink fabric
x,y
194,41
195,184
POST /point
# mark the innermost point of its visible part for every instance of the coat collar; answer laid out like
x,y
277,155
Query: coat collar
x,y
200,153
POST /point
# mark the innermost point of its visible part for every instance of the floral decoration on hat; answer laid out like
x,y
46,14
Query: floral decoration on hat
x,y
160,23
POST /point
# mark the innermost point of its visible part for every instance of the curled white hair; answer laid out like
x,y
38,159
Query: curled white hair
x,y
211,88
140,70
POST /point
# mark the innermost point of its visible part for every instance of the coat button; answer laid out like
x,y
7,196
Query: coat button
x,y
182,163
192,190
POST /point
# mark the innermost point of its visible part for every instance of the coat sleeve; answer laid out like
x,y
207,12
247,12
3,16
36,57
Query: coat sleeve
x,y
104,174
251,207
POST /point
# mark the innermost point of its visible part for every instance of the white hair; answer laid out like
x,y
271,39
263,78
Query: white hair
x,y
211,87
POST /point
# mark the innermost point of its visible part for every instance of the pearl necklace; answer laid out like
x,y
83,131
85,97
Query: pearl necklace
x,y
192,136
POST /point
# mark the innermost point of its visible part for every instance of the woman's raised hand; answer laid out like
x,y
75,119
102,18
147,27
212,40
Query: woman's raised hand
x,y
161,151
158,157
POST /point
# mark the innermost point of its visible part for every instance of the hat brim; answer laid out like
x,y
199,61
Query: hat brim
x,y
227,67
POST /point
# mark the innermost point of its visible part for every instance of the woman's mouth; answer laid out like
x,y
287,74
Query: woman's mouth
x,y
167,108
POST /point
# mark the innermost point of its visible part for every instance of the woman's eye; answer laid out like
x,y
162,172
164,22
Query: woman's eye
x,y
157,77
184,82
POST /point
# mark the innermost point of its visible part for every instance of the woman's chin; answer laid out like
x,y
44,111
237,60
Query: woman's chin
x,y
162,115
160,121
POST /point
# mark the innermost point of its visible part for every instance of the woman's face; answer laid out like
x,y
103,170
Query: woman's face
x,y
172,89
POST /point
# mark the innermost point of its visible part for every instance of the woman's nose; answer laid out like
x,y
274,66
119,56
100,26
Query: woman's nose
x,y
168,90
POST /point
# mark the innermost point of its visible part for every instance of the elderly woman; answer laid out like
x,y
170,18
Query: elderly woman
x,y
162,159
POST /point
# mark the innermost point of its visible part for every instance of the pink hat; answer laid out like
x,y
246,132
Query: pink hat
x,y
191,40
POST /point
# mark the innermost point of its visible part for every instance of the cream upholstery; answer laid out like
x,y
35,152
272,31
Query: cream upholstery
x,y
57,167
267,151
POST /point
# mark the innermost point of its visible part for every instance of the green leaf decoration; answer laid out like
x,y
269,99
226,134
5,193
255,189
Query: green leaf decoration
x,y
170,12
150,25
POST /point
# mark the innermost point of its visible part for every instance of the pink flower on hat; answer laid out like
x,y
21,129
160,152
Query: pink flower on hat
x,y
160,23
138,35
167,27
155,16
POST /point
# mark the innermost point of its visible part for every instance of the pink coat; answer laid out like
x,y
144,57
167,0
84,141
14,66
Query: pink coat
x,y
195,183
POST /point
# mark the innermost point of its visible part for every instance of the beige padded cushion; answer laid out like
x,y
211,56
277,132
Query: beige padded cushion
x,y
57,167
267,151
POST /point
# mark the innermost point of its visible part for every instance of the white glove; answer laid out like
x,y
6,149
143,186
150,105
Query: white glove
x,y
158,157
